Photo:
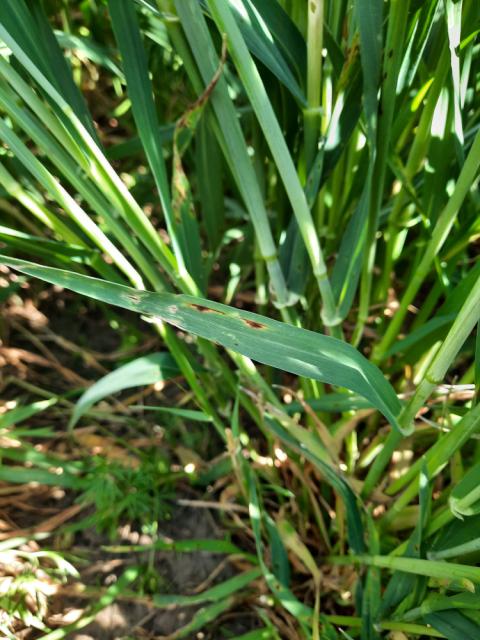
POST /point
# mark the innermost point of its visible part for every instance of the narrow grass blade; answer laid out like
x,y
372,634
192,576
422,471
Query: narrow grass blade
x,y
472,546
21,413
406,589
182,546
217,593
454,28
344,119
259,634
21,475
280,591
346,272
387,625
56,253
294,260
280,562
465,322
453,535
294,542
424,337
382,128
203,617
333,402
430,568
34,204
188,414
40,459
186,223
369,17
477,363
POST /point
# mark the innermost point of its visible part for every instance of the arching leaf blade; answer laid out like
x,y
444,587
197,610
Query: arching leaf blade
x,y
298,351
139,372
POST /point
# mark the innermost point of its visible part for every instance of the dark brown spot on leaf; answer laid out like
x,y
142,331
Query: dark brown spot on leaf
x,y
203,309
253,324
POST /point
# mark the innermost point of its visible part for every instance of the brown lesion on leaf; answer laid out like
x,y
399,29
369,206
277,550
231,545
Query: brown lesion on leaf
x,y
350,68
134,298
253,324
182,202
185,120
202,309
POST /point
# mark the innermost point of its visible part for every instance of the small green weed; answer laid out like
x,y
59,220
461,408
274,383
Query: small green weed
x,y
128,494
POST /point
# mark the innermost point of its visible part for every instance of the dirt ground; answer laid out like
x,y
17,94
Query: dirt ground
x,y
180,573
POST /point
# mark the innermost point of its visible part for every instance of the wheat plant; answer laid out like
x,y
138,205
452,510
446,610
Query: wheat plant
x,y
323,158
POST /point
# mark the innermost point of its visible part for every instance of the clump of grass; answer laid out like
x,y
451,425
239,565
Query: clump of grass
x,y
319,166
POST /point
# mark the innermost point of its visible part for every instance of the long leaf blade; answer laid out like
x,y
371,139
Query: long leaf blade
x,y
268,341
